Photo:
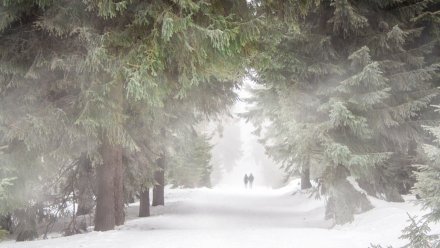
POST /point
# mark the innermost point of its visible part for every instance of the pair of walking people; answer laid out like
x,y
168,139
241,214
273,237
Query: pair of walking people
x,y
248,180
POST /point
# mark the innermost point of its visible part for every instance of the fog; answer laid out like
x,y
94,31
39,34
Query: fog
x,y
237,151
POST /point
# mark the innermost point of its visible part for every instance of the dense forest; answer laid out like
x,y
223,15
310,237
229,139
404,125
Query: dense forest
x,y
101,101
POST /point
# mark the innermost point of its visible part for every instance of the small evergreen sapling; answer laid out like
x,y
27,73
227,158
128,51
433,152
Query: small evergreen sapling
x,y
418,233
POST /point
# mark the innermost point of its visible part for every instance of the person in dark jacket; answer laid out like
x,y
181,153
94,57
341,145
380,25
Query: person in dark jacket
x,y
251,180
246,180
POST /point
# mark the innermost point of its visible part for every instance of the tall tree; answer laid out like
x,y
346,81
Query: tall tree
x,y
363,73
68,61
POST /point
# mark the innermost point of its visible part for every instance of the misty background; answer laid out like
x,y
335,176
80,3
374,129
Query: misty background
x,y
237,150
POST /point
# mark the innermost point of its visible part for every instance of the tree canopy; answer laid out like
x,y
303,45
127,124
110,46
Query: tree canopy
x,y
101,100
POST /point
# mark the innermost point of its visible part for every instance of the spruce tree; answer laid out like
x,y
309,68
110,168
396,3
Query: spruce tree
x,y
418,234
80,70
363,73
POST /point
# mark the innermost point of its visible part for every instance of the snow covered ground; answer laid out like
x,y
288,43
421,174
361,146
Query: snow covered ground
x,y
239,218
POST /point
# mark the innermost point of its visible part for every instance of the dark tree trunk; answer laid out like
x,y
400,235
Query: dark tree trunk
x,y
110,198
6,222
144,203
130,198
85,187
159,177
407,184
27,224
105,199
392,194
305,178
119,188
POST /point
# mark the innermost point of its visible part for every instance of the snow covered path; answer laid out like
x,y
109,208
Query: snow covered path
x,y
219,218
232,209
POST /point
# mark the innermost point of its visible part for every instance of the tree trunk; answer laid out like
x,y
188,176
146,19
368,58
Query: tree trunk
x,y
119,188
144,203
305,178
110,198
27,224
159,177
392,194
105,200
130,198
6,222
85,191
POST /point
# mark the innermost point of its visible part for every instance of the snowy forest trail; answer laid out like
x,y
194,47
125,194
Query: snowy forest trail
x,y
233,209
214,218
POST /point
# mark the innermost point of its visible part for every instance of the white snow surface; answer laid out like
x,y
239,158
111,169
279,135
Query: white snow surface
x,y
240,218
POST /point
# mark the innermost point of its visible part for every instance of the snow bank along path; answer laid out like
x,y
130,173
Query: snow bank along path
x,y
222,218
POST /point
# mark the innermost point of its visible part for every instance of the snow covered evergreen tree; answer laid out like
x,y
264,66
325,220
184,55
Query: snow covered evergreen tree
x,y
366,72
76,75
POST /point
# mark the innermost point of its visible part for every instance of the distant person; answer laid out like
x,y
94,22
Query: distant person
x,y
251,180
246,180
